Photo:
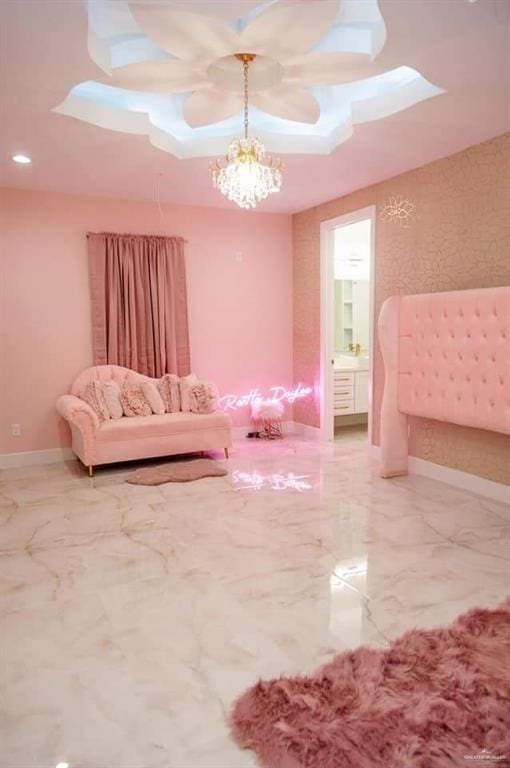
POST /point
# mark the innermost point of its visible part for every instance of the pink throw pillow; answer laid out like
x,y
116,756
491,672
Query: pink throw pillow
x,y
168,388
92,393
203,397
134,402
184,386
151,394
111,392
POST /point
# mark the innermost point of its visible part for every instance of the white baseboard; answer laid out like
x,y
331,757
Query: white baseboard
x,y
465,480
35,458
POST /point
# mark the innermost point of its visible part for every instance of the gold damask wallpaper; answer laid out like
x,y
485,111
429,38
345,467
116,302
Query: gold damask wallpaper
x,y
459,238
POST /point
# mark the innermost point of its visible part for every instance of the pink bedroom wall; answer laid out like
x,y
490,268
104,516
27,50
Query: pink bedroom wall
x,y
460,238
239,269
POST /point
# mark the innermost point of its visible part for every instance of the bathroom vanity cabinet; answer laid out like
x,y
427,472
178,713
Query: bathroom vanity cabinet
x,y
350,392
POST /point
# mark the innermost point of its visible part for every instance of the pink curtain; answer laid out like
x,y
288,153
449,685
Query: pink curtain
x,y
139,303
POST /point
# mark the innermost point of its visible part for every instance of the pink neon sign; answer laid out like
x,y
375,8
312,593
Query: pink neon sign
x,y
278,394
254,481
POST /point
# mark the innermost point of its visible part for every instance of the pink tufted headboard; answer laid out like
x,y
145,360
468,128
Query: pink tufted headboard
x,y
446,357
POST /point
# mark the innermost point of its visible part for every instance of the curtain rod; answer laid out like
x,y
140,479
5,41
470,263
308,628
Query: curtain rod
x,y
127,234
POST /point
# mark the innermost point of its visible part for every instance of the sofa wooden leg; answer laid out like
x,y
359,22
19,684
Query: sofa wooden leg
x,y
226,453
91,470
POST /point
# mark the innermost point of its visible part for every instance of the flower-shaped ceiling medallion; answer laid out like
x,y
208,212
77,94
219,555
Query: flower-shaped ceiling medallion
x,y
170,72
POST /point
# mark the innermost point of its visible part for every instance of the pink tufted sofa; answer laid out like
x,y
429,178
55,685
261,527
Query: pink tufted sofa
x,y
137,437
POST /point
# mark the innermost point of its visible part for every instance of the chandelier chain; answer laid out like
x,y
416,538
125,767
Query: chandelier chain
x,y
247,175
245,68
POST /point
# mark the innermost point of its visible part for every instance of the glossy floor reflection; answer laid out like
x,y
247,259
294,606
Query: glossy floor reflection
x,y
351,433
132,616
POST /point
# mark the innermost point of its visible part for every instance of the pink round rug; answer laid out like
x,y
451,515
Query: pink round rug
x,y
177,472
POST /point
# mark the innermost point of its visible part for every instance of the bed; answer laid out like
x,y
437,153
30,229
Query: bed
x,y
446,357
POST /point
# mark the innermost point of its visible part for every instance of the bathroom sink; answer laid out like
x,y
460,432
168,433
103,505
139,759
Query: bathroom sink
x,y
351,361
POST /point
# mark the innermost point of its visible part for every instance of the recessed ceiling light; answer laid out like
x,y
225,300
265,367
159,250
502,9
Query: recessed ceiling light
x,y
62,765
22,159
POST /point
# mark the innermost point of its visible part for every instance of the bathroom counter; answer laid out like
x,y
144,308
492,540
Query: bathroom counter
x,y
351,363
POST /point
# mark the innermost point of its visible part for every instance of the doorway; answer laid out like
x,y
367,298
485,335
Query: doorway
x,y
347,325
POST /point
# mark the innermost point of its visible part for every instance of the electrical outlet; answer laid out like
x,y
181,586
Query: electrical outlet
x,y
16,430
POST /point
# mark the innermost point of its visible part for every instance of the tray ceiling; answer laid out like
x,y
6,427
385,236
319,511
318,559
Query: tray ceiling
x,y
419,80
170,73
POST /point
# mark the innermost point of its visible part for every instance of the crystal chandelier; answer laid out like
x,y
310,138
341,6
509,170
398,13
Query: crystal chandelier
x,y
249,175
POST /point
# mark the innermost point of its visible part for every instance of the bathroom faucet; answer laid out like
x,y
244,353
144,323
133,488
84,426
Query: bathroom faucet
x,y
356,348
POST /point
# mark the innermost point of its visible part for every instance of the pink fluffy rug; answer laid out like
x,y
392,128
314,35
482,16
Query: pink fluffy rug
x,y
434,699
177,472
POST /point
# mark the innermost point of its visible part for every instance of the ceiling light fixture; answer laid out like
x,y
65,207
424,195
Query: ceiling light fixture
x,y
22,159
249,175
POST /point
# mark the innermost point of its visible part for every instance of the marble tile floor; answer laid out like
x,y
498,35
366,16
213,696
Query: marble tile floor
x,y
131,617
351,432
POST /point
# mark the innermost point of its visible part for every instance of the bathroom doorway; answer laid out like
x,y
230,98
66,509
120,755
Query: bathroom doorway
x,y
347,325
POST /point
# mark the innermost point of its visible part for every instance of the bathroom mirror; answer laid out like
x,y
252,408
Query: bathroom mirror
x,y
352,287
352,301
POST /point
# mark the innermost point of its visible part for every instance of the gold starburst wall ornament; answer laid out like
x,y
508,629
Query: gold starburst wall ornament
x,y
398,210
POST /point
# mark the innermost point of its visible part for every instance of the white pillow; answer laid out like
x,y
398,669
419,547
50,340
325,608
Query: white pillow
x,y
111,392
184,386
168,388
153,397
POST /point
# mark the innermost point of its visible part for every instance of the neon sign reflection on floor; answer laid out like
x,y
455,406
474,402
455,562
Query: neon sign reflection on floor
x,y
254,481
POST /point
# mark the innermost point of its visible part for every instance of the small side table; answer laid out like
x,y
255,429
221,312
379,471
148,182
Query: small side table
x,y
266,416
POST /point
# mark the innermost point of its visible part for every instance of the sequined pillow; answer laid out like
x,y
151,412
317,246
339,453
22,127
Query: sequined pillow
x,y
203,397
134,402
93,394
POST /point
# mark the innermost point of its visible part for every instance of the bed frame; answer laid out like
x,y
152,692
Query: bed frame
x,y
446,357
